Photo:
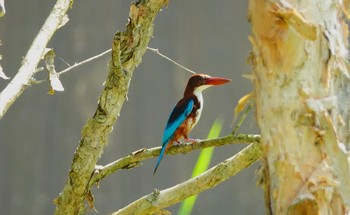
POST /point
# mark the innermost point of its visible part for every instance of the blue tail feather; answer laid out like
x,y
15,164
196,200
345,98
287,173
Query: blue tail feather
x,y
161,155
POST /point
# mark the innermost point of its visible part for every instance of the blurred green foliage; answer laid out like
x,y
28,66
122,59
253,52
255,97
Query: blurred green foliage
x,y
202,165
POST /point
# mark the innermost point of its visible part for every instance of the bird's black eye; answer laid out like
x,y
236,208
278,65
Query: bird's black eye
x,y
200,81
197,80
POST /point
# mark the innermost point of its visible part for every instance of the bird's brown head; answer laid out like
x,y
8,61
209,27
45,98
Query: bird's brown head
x,y
199,82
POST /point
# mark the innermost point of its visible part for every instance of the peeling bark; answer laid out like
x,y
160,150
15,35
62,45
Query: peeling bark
x,y
302,102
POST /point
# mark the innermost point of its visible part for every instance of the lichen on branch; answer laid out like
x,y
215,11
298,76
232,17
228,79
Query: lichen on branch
x,y
128,48
135,158
160,199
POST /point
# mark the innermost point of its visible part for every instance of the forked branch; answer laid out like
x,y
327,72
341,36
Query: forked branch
x,y
128,48
157,200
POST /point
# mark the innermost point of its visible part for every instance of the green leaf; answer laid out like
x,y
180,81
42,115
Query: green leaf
x,y
202,165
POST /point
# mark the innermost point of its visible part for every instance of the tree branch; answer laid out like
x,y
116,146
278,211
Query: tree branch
x,y
69,68
127,50
104,53
161,199
169,59
84,61
30,62
136,157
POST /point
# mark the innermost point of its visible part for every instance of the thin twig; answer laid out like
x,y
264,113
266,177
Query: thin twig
x,y
85,61
34,81
241,120
63,60
169,59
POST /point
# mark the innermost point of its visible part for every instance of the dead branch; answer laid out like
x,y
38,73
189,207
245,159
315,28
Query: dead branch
x,y
30,62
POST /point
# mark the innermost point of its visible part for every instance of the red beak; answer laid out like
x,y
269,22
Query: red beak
x,y
217,81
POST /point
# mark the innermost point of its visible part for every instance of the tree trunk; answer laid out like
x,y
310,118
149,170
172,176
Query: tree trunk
x,y
302,103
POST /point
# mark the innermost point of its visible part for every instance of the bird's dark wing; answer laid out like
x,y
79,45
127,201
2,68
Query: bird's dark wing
x,y
182,109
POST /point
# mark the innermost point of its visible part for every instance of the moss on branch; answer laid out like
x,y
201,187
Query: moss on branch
x,y
138,156
158,200
128,48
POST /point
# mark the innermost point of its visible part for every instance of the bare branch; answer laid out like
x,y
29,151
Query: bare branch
x,y
161,199
28,68
73,67
85,61
169,59
104,53
128,49
136,157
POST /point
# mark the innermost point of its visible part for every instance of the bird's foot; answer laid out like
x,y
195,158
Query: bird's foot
x,y
178,142
190,140
193,141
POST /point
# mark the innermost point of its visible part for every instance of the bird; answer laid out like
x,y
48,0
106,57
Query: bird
x,y
187,111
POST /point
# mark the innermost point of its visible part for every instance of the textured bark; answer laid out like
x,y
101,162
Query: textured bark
x,y
159,199
135,158
127,51
302,102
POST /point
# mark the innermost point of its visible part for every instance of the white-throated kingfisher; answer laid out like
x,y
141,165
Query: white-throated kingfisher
x,y
187,111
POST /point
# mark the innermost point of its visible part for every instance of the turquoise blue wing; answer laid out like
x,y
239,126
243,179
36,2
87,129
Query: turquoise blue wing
x,y
176,118
180,112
